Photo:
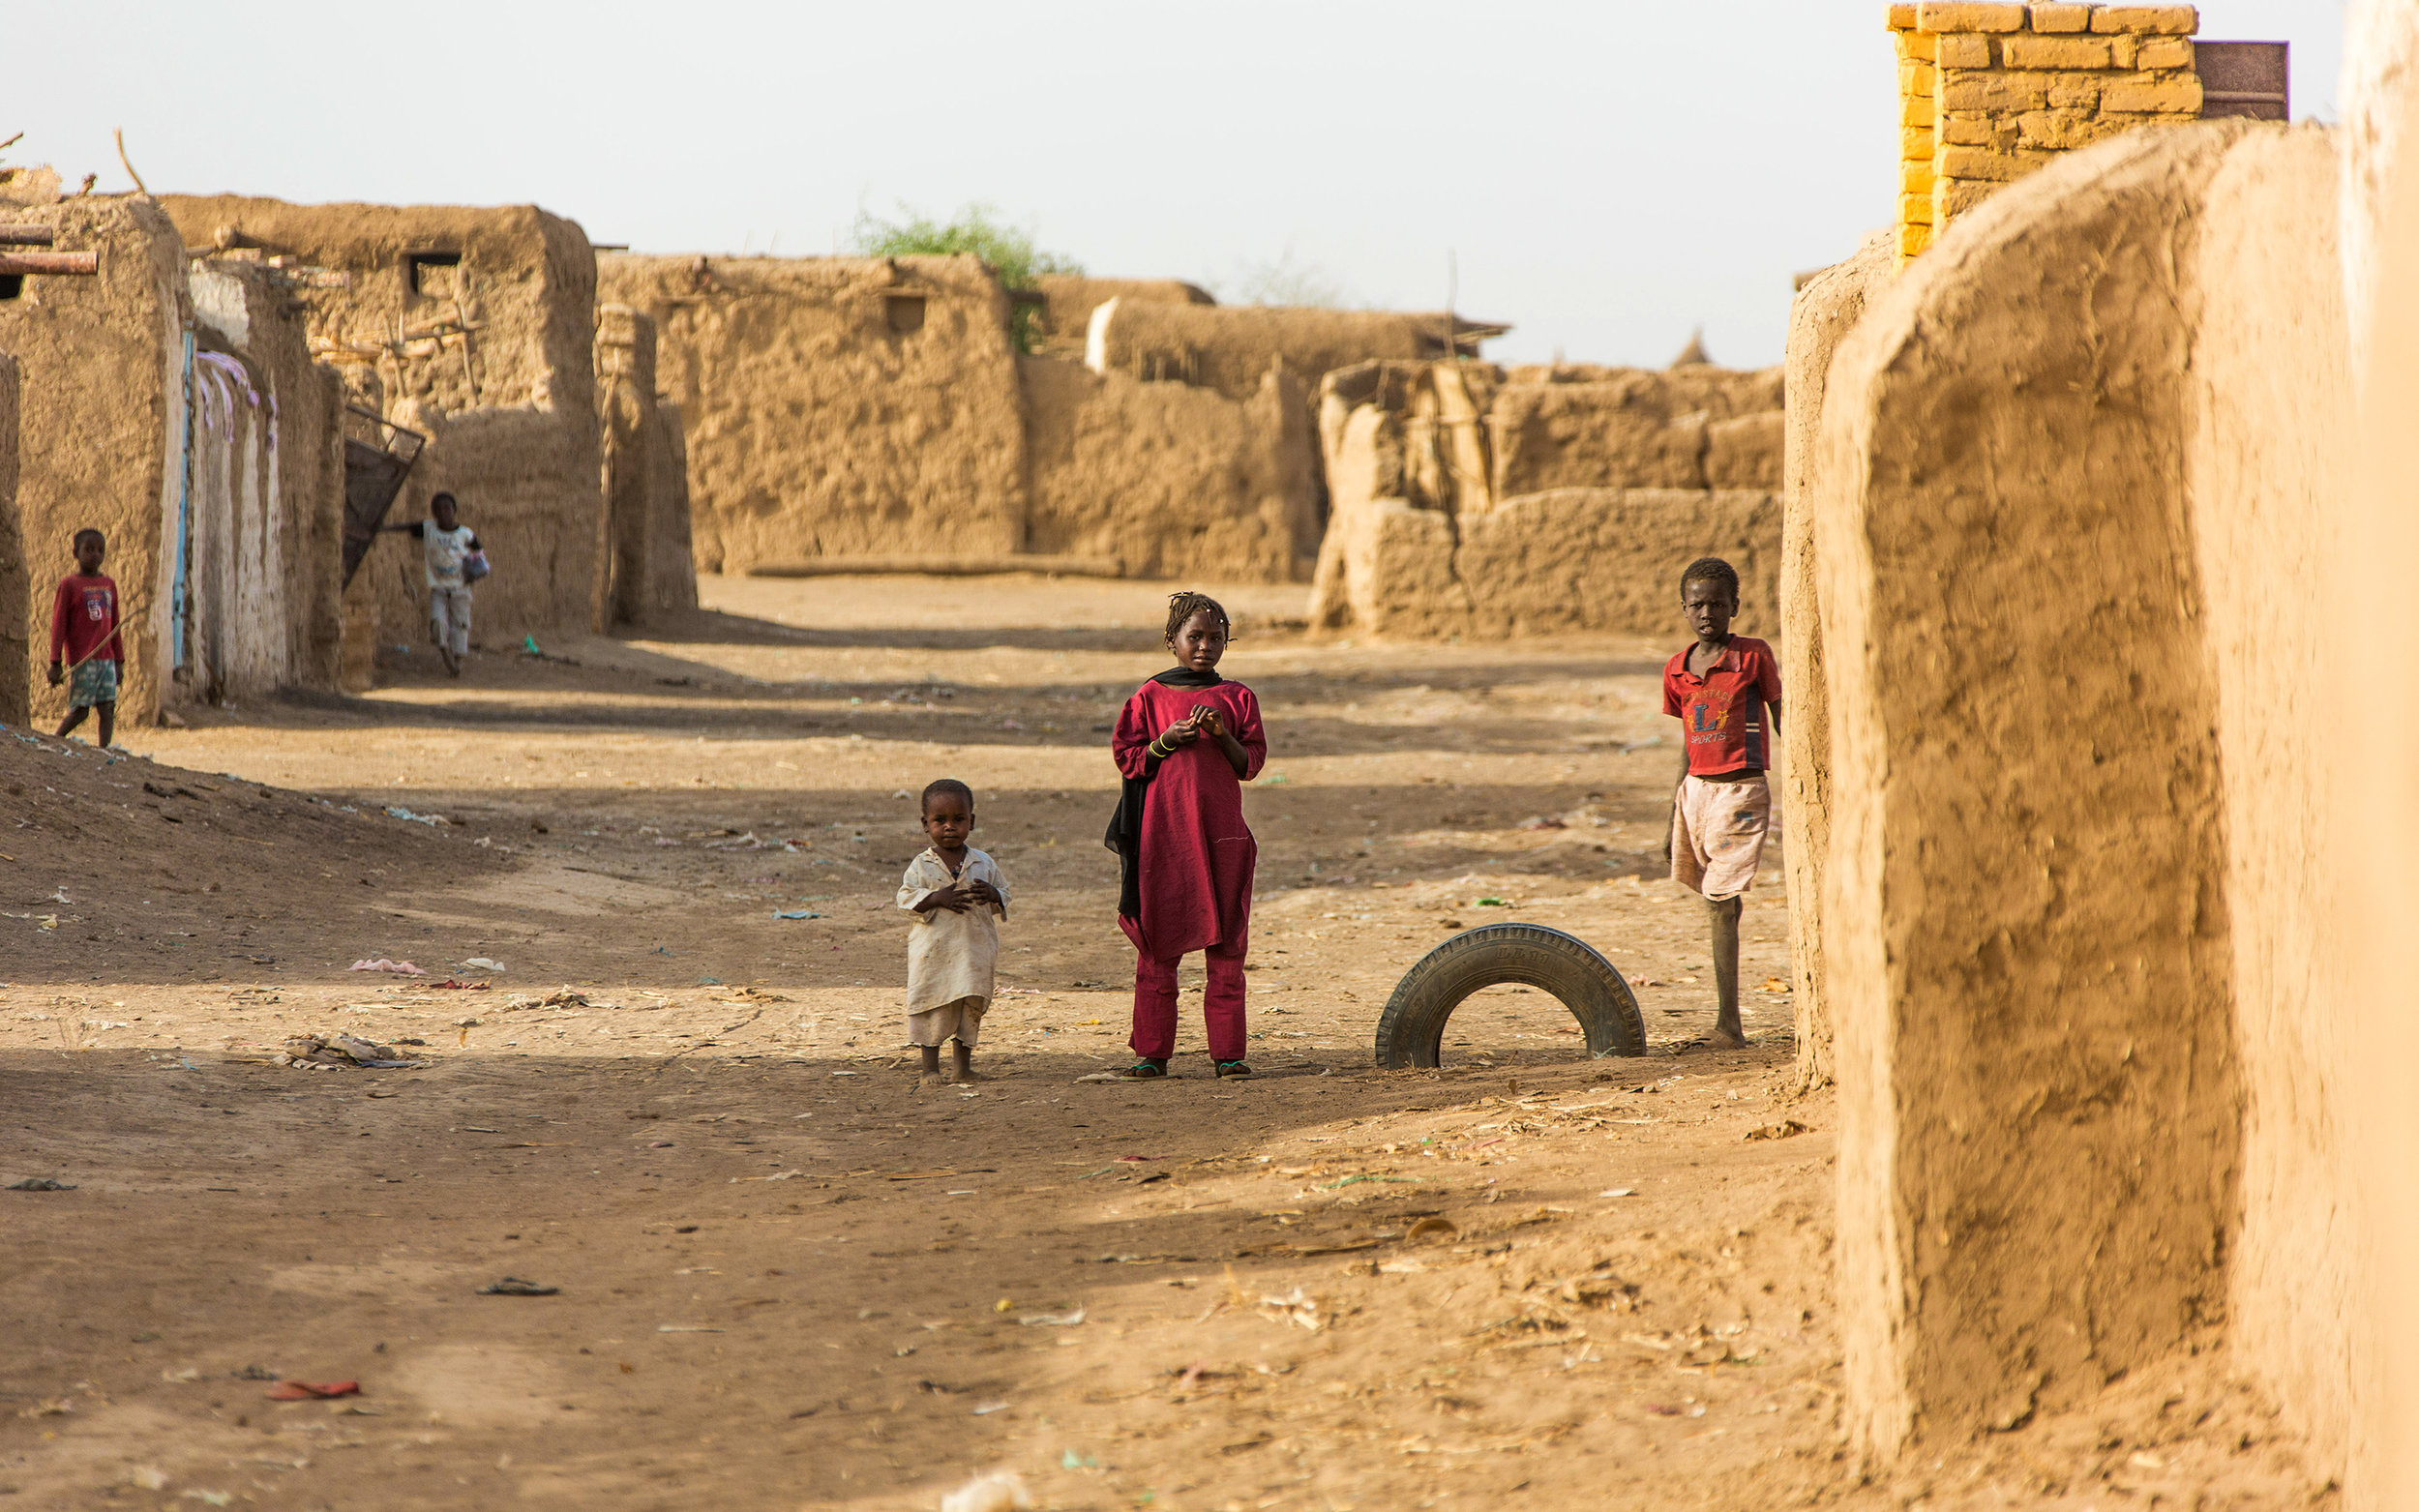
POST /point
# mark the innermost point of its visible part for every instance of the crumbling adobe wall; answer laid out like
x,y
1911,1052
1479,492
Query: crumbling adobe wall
x,y
1827,307
1600,560
2025,916
1609,560
1418,542
1697,427
836,407
525,283
1170,481
671,569
2030,1144
489,354
2271,424
647,489
1061,326
264,493
1229,347
101,365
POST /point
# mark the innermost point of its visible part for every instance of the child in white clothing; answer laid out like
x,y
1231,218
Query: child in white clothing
x,y
958,897
454,561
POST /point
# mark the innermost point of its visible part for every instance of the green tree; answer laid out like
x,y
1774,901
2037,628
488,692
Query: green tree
x,y
976,230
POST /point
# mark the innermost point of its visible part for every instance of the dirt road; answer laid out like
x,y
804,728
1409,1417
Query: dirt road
x,y
788,1274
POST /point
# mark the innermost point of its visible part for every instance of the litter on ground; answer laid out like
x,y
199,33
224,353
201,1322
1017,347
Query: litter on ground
x,y
381,964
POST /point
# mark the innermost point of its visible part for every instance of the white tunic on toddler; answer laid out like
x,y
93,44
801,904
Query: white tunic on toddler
x,y
951,957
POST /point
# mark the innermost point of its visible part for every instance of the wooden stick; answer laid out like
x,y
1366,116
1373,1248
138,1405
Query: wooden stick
x,y
120,134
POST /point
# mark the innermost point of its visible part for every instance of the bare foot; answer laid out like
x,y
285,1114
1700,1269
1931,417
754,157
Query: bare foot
x,y
1726,1039
965,1073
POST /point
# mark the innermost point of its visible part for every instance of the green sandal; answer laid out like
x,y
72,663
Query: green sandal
x,y
1145,1070
1232,1068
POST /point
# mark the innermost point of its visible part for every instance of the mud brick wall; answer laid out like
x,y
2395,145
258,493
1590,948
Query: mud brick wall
x,y
1991,92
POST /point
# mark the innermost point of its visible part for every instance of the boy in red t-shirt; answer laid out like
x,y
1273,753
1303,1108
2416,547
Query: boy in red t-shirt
x,y
84,638
1725,691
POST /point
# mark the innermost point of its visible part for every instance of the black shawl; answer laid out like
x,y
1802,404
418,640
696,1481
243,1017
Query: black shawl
x,y
1125,825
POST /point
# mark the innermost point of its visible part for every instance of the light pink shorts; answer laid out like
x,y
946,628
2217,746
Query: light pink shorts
x,y
1718,834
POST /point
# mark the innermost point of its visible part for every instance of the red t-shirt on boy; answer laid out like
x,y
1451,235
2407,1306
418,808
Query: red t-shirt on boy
x,y
83,617
1721,713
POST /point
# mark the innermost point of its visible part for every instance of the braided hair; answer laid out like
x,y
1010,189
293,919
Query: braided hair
x,y
1182,606
1713,569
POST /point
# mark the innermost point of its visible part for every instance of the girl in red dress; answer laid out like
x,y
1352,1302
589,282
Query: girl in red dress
x,y
1186,742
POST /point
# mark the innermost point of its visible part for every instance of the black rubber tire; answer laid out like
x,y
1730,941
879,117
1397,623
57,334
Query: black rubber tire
x,y
1411,1032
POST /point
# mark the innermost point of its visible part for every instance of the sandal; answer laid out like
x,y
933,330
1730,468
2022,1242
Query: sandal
x,y
1232,1068
1143,1070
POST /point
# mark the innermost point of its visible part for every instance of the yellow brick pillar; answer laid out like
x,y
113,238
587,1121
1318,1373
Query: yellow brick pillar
x,y
1918,130
1990,91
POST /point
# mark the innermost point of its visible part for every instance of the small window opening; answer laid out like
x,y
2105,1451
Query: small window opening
x,y
11,286
433,274
904,312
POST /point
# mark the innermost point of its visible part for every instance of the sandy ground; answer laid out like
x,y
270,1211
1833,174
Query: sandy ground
x,y
792,1274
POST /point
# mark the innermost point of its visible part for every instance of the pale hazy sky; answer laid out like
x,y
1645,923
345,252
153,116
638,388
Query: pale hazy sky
x,y
1608,174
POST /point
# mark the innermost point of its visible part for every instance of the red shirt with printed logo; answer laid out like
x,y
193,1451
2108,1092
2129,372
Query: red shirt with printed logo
x,y
85,615
1721,713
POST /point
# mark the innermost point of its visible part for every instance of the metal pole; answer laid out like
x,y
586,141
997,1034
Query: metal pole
x,y
85,262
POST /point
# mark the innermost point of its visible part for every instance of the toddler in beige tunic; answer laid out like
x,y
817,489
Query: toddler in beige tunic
x,y
950,956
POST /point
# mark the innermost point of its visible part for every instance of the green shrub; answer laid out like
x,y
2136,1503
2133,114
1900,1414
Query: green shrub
x,y
976,230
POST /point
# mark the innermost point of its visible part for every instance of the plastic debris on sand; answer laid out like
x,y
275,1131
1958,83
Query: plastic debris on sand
x,y
343,1051
993,1491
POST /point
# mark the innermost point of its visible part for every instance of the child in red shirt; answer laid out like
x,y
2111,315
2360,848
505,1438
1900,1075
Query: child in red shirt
x,y
1725,691
1186,744
84,638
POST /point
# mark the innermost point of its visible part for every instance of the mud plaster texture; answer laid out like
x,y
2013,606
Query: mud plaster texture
x,y
1231,347
2025,919
2374,829
14,590
837,406
1168,479
1697,427
1826,309
101,370
650,572
2271,424
1066,316
819,430
2380,48
1420,541
489,355
264,558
